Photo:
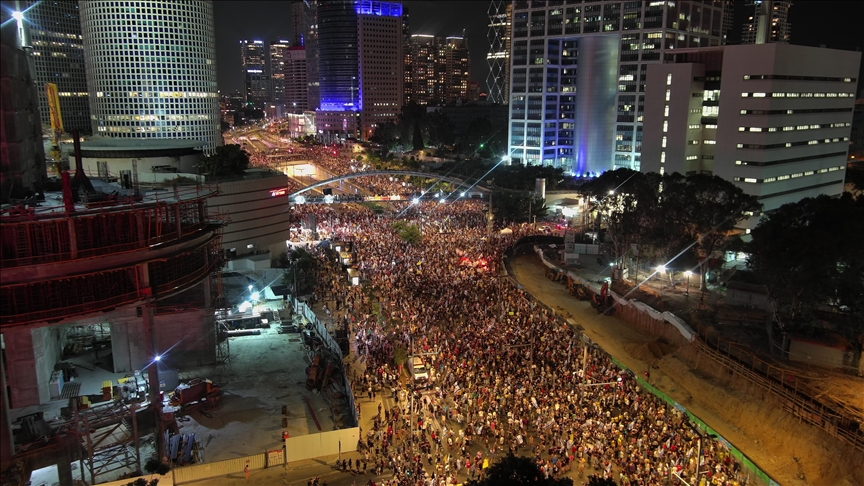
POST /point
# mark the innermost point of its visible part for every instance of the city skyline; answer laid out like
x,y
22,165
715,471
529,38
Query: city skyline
x,y
813,24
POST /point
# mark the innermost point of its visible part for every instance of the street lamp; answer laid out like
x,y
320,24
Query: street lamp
x,y
688,273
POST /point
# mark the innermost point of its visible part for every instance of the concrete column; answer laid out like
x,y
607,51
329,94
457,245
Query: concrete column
x,y
7,443
64,469
21,363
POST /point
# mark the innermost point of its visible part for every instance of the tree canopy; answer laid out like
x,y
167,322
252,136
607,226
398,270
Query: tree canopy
x,y
809,256
517,471
683,220
304,264
226,160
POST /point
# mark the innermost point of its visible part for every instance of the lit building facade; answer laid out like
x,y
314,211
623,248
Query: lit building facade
x,y
123,51
455,70
58,54
577,77
296,86
440,70
253,61
498,58
337,55
424,82
310,42
276,57
777,28
380,64
775,119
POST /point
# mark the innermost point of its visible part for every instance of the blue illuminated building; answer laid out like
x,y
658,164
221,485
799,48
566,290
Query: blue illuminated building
x,y
578,76
337,51
385,9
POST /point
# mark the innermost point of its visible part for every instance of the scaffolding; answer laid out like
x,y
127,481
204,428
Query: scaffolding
x,y
108,433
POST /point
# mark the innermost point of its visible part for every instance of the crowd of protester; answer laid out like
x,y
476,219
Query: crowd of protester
x,y
506,374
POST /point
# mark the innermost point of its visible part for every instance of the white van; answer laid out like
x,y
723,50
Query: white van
x,y
419,370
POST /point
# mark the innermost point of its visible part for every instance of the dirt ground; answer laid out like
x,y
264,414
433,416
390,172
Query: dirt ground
x,y
791,452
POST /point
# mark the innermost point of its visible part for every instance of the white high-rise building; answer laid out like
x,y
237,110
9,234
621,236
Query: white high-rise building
x,y
775,119
151,70
577,76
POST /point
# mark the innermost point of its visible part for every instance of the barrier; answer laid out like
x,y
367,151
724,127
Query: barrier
x,y
685,331
208,470
321,444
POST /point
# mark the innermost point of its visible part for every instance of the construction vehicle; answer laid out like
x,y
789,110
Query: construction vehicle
x,y
602,301
576,289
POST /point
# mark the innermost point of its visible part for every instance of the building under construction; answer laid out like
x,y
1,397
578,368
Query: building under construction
x,y
130,274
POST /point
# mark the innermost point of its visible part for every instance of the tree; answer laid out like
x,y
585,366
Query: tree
x,y
302,264
517,206
517,471
595,480
440,129
400,356
855,177
409,233
228,159
808,255
712,208
617,195
417,138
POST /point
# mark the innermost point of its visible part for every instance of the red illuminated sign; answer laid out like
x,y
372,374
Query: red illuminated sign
x,y
278,192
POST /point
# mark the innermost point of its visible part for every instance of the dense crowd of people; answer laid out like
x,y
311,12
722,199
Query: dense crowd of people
x,y
506,374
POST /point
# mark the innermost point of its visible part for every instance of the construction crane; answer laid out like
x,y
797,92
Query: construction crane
x,y
56,124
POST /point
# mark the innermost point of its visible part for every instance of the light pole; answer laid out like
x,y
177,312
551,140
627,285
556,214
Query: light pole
x,y
688,273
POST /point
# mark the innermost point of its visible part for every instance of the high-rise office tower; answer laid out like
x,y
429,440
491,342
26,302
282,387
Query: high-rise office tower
x,y
455,70
298,23
380,63
440,70
767,21
310,42
276,68
408,59
498,58
424,81
728,19
253,61
577,82
337,55
55,36
139,89
774,118
296,89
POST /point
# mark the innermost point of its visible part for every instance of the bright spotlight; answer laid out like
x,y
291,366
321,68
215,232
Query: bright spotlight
x,y
661,268
255,295
300,200
443,200
328,199
19,16
463,194
612,192
688,273
245,305
250,287
158,357
415,201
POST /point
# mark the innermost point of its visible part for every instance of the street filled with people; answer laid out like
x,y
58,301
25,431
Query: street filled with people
x,y
504,374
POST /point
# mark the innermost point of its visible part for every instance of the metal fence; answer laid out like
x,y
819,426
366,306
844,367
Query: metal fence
x,y
208,470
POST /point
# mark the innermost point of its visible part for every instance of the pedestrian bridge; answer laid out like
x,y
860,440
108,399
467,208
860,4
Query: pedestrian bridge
x,y
369,173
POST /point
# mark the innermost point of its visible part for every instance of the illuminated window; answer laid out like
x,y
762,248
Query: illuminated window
x,y
666,110
668,79
663,142
668,93
665,126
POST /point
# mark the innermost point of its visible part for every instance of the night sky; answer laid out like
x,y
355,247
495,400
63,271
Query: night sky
x,y
832,23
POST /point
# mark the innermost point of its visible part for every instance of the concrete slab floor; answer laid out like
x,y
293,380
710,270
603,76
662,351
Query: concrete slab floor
x,y
262,374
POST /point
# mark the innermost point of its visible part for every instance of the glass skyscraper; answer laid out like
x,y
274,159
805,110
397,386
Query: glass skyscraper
x,y
55,34
151,70
577,79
